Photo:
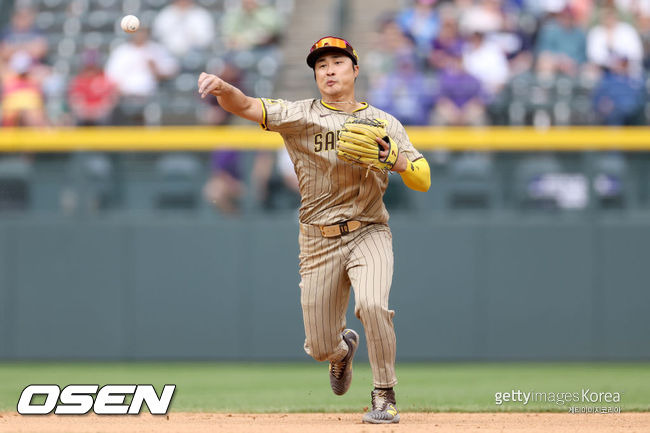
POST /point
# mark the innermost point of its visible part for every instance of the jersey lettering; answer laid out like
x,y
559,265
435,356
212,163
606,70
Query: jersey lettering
x,y
329,141
330,188
318,142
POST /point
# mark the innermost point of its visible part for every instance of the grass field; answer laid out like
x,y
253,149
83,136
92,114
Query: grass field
x,y
304,387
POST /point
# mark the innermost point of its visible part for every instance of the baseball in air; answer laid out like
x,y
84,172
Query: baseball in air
x,y
130,23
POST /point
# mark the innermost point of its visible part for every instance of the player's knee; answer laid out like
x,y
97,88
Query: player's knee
x,y
315,351
319,356
369,309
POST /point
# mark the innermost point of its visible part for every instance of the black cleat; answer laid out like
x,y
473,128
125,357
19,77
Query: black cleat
x,y
341,371
383,408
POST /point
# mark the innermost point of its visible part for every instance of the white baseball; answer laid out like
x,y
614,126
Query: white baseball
x,y
130,23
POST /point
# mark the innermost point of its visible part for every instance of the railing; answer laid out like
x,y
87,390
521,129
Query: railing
x,y
122,139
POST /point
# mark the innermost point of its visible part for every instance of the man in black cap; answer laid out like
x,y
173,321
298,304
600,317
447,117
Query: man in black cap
x,y
344,235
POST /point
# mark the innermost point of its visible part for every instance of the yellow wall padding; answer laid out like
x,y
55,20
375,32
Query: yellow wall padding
x,y
204,138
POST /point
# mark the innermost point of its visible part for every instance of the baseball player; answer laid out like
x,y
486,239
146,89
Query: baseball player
x,y
342,151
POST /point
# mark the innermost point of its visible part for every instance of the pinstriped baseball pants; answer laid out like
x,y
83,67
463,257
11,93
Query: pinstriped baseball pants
x,y
362,259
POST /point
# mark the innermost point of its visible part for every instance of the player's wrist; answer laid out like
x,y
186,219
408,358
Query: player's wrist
x,y
401,164
220,90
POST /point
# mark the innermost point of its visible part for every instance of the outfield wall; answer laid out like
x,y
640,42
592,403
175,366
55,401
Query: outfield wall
x,y
182,287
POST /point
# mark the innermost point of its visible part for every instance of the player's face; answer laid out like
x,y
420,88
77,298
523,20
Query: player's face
x,y
335,74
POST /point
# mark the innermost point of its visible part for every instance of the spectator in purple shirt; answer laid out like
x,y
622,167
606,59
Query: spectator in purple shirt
x,y
461,99
448,39
225,187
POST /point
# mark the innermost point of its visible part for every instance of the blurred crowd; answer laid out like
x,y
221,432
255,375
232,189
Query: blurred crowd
x,y
138,79
433,62
114,79
539,62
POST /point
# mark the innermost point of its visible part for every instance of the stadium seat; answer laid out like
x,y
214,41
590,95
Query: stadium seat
x,y
15,176
210,4
611,189
156,4
471,181
517,97
516,113
95,181
562,113
540,95
72,26
185,83
101,21
146,16
582,112
180,109
51,5
179,178
97,41
564,87
104,4
194,62
66,47
529,172
46,21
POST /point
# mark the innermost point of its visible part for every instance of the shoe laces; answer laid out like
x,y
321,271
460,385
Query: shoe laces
x,y
381,398
337,368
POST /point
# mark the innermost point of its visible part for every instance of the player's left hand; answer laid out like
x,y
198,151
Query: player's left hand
x,y
365,142
383,153
400,165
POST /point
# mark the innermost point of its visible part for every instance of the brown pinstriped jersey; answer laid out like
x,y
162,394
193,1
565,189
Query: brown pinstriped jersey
x,y
332,190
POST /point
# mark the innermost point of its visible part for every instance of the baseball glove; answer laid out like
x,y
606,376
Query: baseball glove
x,y
357,144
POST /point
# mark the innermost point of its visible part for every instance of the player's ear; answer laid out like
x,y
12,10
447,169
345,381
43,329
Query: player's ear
x,y
356,71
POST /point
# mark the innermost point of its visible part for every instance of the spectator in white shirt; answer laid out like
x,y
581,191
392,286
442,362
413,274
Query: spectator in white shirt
x,y
137,65
482,57
183,26
486,61
637,8
614,38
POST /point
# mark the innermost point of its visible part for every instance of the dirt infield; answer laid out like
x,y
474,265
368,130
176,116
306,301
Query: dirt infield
x,y
339,423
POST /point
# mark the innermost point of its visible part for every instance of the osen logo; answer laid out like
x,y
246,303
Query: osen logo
x,y
107,400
